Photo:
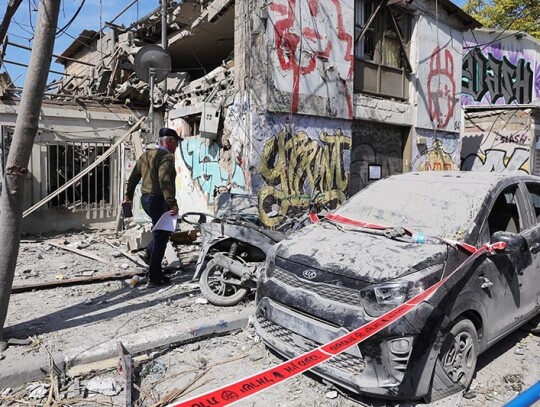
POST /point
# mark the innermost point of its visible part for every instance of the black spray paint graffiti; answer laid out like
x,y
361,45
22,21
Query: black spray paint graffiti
x,y
296,167
499,78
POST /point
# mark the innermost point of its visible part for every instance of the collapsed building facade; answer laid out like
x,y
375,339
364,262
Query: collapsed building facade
x,y
501,99
290,100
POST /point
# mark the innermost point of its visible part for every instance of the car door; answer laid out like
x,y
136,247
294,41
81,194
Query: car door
x,y
531,276
501,277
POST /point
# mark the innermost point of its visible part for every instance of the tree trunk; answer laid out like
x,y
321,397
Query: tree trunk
x,y
16,171
11,9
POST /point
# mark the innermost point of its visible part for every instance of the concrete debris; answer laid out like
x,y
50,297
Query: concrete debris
x,y
201,301
331,394
519,351
5,392
88,301
38,390
88,273
155,367
103,385
19,342
75,390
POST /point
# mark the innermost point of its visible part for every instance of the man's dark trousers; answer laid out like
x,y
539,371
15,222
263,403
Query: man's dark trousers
x,y
155,206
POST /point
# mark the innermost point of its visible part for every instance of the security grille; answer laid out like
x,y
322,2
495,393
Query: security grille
x,y
67,159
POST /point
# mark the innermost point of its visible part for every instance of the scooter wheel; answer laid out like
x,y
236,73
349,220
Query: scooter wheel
x,y
218,292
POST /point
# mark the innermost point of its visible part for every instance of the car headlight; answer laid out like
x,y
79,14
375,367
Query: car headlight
x,y
380,298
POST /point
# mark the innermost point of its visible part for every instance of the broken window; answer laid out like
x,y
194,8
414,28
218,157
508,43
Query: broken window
x,y
382,42
65,161
504,215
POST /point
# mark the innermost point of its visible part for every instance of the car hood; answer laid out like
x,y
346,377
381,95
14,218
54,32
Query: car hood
x,y
357,254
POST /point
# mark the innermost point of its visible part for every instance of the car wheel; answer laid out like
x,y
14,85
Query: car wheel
x,y
456,363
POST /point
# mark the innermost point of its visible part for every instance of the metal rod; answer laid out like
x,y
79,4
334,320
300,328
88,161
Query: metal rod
x,y
50,70
164,42
124,10
151,73
54,55
370,20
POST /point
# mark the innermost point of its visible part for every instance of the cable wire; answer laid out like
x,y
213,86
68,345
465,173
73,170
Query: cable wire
x,y
71,20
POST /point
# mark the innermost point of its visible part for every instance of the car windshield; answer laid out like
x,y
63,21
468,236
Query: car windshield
x,y
435,206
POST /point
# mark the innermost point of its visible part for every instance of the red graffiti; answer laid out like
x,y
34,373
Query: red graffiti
x,y
301,57
441,88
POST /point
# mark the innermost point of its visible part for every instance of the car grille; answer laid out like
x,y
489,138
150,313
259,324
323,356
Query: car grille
x,y
330,292
344,361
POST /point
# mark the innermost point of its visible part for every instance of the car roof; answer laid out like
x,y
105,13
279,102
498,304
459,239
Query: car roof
x,y
476,177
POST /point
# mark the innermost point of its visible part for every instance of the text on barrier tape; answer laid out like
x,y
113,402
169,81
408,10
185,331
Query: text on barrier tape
x,y
251,385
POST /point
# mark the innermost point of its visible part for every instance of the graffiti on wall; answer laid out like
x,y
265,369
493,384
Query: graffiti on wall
x,y
497,80
312,43
436,152
212,167
297,169
441,87
438,77
375,144
496,152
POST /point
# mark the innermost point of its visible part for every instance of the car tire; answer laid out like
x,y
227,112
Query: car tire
x,y
456,363
216,291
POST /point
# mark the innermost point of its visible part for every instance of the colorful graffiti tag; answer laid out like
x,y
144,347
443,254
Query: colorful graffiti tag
x,y
499,80
204,159
439,156
297,169
303,35
441,87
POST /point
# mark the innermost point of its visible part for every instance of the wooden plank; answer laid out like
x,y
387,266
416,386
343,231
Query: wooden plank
x,y
80,175
126,255
75,281
84,254
126,372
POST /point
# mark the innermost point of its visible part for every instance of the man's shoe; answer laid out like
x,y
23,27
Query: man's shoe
x,y
162,281
144,255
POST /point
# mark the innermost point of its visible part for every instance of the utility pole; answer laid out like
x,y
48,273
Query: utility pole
x,y
164,39
16,171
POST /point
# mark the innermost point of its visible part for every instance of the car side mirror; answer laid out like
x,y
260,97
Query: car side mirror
x,y
515,243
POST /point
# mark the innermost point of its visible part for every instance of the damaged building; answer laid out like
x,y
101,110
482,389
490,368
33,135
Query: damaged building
x,y
291,100
501,99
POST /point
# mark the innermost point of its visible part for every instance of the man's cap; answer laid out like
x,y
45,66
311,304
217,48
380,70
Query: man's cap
x,y
167,132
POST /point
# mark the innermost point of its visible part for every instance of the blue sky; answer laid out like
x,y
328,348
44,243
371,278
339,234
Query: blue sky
x,y
21,28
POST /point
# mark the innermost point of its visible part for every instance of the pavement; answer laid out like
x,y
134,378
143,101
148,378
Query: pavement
x,y
72,332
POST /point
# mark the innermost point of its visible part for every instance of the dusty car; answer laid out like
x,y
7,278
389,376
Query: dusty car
x,y
390,242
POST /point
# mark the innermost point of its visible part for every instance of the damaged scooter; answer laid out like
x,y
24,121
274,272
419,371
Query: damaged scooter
x,y
234,248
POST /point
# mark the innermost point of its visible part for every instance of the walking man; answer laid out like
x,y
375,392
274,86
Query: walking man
x,y
156,169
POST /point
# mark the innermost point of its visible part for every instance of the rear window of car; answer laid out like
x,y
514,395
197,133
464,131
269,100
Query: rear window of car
x,y
445,209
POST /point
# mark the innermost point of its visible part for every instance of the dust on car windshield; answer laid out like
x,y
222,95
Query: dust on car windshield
x,y
444,209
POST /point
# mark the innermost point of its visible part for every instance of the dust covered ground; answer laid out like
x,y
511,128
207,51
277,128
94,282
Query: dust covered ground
x,y
84,316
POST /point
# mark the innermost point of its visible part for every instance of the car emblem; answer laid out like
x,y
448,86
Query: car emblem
x,y
309,274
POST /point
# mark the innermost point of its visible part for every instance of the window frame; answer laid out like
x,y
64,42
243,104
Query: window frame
x,y
370,75
522,206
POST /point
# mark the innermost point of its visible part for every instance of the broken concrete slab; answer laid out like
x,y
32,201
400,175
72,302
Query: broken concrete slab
x,y
19,368
167,334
